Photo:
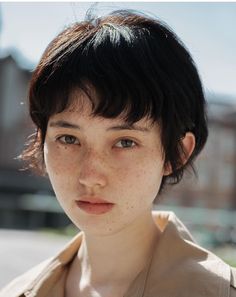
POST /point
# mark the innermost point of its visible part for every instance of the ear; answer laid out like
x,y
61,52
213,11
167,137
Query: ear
x,y
188,142
188,146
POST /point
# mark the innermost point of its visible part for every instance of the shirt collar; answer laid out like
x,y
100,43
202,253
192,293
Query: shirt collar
x,y
177,266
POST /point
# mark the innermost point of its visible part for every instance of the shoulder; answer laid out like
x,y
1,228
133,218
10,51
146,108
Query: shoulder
x,y
188,266
233,283
24,281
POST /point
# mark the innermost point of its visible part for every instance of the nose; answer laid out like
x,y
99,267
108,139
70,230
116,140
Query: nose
x,y
92,170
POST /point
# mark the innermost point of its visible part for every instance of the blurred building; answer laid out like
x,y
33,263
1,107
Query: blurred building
x,y
0,18
215,186
15,126
14,123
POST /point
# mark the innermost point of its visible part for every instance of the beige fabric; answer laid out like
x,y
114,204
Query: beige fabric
x,y
178,267
233,283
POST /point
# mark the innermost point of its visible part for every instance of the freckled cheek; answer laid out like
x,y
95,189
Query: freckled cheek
x,y
143,178
140,170
57,162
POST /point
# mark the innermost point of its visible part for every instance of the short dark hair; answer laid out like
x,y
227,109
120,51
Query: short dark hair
x,y
137,66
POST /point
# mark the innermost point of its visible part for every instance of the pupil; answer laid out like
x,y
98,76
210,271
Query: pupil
x,y
69,139
126,143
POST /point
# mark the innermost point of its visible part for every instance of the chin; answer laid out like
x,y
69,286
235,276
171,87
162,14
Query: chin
x,y
99,228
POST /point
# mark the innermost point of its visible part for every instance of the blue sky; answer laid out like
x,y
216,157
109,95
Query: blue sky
x,y
207,29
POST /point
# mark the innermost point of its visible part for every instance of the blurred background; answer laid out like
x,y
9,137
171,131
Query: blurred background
x,y
32,224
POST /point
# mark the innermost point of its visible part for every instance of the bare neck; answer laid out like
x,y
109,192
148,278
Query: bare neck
x,y
115,259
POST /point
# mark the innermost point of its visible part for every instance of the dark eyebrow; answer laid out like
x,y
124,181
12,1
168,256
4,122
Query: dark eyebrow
x,y
128,127
65,124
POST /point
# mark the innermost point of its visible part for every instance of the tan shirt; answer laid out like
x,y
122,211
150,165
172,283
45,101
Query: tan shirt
x,y
178,267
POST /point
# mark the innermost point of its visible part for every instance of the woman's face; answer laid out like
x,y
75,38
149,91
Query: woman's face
x,y
90,160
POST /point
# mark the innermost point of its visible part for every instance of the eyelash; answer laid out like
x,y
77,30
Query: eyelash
x,y
134,144
59,138
76,141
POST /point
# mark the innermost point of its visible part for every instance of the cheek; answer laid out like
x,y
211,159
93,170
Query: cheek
x,y
141,176
149,178
56,162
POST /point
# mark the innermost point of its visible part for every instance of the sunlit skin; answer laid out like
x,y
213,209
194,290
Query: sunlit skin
x,y
87,156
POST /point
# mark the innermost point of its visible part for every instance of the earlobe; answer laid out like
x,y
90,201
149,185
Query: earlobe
x,y
167,169
188,144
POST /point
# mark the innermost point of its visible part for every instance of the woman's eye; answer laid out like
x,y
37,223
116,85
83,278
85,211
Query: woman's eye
x,y
125,143
68,139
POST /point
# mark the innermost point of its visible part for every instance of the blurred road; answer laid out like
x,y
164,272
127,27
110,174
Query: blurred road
x,y
20,250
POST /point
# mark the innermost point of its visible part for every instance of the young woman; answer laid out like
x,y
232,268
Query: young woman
x,y
120,112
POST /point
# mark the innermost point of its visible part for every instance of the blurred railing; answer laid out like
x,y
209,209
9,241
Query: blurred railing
x,y
31,211
210,227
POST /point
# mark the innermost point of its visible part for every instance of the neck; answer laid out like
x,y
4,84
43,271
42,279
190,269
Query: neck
x,y
118,257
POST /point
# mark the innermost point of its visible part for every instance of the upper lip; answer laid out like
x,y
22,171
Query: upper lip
x,y
91,199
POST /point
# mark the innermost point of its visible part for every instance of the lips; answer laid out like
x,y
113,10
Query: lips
x,y
94,205
93,200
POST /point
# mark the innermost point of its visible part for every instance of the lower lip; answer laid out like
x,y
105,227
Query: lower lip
x,y
94,208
